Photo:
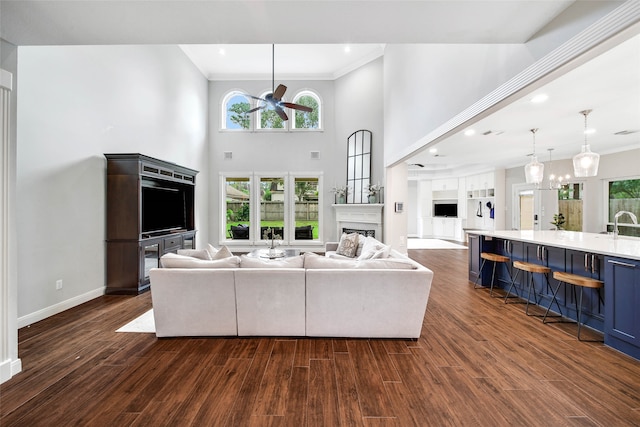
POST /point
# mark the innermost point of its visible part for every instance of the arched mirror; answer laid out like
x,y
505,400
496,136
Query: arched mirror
x,y
358,166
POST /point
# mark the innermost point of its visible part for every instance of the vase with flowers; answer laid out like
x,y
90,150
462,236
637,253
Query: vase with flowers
x,y
341,194
373,190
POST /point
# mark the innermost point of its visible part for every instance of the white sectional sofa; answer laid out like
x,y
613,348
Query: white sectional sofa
x,y
324,297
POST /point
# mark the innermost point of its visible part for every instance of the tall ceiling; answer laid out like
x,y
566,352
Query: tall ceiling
x,y
310,37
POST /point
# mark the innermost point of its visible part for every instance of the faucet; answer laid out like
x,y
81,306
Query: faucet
x,y
615,221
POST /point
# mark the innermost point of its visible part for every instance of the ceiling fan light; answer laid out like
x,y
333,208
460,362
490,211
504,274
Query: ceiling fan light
x,y
585,164
534,171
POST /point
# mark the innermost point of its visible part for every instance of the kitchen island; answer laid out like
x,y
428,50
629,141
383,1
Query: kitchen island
x,y
615,311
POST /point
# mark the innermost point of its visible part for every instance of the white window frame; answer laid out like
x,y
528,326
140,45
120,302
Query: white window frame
x,y
605,194
314,94
292,212
224,112
255,239
224,238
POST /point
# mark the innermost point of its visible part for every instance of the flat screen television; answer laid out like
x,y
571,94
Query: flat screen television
x,y
445,209
163,209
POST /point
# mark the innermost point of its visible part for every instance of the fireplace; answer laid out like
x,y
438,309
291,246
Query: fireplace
x,y
362,218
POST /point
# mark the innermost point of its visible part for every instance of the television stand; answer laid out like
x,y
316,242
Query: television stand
x,y
142,225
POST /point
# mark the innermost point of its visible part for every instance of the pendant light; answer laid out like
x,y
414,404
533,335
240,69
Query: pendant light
x,y
534,170
585,164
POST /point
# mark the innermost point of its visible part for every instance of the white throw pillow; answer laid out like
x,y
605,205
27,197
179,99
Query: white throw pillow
x,y
172,260
222,253
373,249
195,253
252,262
212,250
348,245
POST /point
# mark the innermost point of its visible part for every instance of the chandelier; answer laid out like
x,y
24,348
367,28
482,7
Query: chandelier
x,y
555,182
585,164
534,170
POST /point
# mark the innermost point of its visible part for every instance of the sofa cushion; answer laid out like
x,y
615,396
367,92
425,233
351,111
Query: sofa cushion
x,y
314,261
252,262
373,249
195,253
172,260
348,245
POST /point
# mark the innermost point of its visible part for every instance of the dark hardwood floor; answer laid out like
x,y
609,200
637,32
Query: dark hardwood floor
x,y
478,362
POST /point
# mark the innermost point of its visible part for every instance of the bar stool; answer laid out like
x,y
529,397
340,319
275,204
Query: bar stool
x,y
574,280
531,269
495,258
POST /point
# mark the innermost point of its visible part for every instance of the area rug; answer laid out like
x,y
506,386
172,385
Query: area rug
x,y
432,244
143,323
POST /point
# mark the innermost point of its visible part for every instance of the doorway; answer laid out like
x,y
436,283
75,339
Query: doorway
x,y
526,201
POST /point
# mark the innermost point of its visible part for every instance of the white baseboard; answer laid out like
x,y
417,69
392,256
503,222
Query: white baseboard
x,y
59,307
9,368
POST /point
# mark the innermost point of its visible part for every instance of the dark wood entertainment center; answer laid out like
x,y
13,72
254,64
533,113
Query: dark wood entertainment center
x,y
150,212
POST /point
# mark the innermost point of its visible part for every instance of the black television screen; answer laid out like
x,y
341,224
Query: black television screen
x,y
163,209
445,209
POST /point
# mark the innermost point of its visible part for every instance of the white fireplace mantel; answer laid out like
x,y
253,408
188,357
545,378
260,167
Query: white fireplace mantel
x,y
359,216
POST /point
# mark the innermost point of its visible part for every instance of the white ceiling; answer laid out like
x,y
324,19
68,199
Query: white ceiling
x,y
609,85
292,61
310,36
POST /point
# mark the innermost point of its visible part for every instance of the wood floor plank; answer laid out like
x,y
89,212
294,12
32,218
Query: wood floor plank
x,y
387,370
274,389
323,408
374,401
348,397
242,408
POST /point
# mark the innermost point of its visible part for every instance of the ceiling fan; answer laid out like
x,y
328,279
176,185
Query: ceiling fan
x,y
274,99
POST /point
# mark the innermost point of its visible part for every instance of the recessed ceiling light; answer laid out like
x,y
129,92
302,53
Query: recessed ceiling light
x,y
589,131
433,150
541,97
347,49
222,51
469,132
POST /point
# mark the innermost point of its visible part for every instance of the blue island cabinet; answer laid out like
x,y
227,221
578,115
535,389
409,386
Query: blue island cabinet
x,y
622,305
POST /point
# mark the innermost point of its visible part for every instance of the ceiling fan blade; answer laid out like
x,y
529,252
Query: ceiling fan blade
x,y
254,97
255,109
297,106
282,114
279,92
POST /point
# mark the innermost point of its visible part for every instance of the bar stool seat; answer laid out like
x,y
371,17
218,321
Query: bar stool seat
x,y
495,258
574,280
531,269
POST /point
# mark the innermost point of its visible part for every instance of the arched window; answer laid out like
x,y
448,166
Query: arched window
x,y
235,107
267,118
303,119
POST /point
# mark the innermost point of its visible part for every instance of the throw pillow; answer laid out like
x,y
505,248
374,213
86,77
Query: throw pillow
x,y
372,249
222,253
252,262
195,253
313,261
348,245
212,250
171,260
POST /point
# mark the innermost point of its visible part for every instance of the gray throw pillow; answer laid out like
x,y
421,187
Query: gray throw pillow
x,y
348,245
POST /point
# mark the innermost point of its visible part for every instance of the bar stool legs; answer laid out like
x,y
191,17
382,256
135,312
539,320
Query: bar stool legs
x,y
531,269
495,258
574,280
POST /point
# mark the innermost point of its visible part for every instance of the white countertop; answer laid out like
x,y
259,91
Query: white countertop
x,y
623,246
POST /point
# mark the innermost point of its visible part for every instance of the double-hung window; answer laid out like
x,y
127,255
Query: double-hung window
x,y
260,207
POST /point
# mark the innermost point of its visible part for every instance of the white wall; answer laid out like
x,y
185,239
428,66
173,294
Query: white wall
x,y
395,223
350,103
76,103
